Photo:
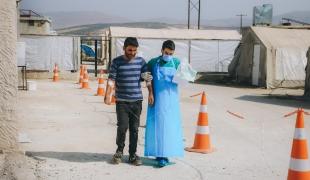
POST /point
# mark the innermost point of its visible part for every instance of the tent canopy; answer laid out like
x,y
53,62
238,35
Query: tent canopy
x,y
283,38
182,34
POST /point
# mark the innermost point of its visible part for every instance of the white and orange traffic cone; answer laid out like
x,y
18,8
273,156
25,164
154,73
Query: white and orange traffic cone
x,y
299,164
56,74
101,86
81,75
202,143
85,84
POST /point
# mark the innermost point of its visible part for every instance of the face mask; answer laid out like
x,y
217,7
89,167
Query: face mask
x,y
167,58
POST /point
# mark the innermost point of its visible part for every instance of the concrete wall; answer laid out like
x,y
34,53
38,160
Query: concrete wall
x,y
38,28
8,74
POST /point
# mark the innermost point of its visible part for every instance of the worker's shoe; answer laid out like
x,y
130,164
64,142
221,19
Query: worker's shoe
x,y
135,160
117,158
162,162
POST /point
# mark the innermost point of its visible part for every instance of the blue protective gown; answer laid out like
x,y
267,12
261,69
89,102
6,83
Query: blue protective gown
x,y
163,135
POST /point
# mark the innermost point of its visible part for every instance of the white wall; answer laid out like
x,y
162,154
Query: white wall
x,y
8,74
38,28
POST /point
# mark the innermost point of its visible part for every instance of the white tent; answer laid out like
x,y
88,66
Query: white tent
x,y
205,50
42,52
272,57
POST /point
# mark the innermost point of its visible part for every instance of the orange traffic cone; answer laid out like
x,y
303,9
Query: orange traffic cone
x,y
81,75
202,142
101,88
85,80
56,75
299,164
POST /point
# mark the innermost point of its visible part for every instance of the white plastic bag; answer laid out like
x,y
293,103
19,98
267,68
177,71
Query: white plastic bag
x,y
184,73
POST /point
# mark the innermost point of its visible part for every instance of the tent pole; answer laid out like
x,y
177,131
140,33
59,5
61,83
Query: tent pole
x,y
189,14
189,51
199,16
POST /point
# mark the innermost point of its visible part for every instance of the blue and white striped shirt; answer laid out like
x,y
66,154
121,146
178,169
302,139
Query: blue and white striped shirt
x,y
127,77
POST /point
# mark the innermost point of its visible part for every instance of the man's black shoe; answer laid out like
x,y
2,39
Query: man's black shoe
x,y
135,160
117,158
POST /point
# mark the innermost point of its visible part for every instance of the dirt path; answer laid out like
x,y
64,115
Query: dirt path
x,y
73,135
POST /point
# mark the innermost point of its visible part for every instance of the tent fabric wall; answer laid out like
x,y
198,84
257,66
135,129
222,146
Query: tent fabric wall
x,y
21,53
206,55
150,48
76,53
290,64
289,67
234,62
226,54
205,50
42,52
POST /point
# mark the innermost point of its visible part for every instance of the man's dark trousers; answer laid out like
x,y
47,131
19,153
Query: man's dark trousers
x,y
128,116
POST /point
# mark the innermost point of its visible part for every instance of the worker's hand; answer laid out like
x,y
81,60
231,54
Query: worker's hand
x,y
147,76
111,83
151,99
148,83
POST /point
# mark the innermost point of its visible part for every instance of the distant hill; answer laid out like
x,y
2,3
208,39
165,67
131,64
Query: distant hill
x,y
69,19
98,29
228,22
303,16
94,22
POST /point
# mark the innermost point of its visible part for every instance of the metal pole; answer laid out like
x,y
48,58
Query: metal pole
x,y
199,16
189,14
96,59
189,51
110,54
81,54
241,24
241,15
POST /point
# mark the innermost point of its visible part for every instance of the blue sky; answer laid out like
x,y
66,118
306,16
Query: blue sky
x,y
174,9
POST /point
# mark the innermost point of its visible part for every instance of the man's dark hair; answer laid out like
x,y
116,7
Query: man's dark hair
x,y
168,44
131,41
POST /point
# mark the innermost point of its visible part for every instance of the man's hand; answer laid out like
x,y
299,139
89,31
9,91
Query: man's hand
x,y
107,100
147,76
151,99
108,94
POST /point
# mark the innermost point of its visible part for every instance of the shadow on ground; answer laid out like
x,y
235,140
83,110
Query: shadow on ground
x,y
220,79
83,157
281,100
80,157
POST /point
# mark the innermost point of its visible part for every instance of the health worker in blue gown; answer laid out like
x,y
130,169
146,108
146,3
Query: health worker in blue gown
x,y
163,135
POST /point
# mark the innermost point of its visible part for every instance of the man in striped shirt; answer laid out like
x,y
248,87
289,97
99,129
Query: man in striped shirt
x,y
126,73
